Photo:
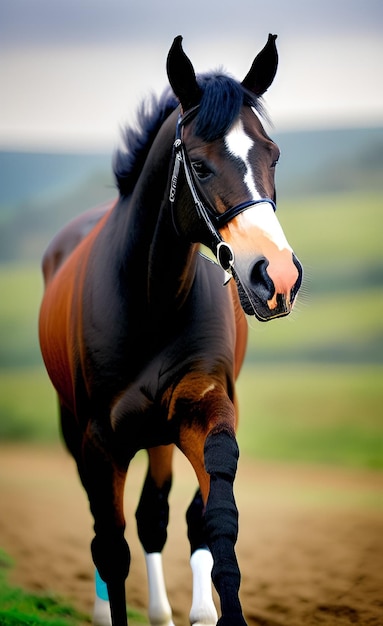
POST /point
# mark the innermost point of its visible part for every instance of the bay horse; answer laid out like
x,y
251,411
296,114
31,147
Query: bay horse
x,y
143,341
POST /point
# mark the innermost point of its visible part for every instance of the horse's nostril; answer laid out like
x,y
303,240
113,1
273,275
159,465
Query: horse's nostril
x,y
260,281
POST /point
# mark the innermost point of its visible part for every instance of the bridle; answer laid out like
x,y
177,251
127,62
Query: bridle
x,y
212,220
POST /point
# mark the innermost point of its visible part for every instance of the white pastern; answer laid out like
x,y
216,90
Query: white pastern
x,y
160,613
101,609
203,611
262,216
101,613
239,145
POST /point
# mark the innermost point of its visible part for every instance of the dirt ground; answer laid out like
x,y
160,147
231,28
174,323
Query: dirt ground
x,y
310,546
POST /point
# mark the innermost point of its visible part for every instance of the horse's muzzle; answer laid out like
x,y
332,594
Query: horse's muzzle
x,y
266,292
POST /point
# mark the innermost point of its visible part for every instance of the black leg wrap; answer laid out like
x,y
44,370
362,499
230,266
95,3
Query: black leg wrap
x,y
152,515
196,524
221,522
221,454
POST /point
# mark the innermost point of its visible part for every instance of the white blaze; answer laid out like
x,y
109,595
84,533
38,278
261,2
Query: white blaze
x,y
262,214
239,145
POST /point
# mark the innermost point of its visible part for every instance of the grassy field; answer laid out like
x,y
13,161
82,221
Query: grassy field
x,y
311,386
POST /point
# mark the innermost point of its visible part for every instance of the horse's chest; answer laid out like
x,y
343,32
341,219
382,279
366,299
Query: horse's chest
x,y
143,404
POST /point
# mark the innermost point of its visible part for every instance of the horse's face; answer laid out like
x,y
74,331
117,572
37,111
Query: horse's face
x,y
239,168
235,169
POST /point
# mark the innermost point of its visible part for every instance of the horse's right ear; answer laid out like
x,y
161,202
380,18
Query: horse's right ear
x,y
182,77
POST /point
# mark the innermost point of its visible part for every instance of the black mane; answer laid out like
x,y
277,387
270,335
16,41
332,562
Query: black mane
x,y
129,161
222,98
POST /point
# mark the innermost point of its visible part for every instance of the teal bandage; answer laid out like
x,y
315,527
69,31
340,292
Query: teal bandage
x,y
101,588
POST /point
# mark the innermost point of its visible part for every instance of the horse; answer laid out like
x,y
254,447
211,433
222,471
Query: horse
x,y
143,335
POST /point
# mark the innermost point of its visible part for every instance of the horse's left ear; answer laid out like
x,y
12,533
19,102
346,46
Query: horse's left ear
x,y
182,77
264,68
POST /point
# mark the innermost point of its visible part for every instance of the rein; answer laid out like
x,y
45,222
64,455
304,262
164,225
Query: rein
x,y
212,220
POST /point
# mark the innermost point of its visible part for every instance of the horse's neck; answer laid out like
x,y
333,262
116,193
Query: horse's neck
x,y
172,266
147,235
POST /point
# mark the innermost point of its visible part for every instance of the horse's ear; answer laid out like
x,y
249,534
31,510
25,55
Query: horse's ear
x,y
264,68
182,76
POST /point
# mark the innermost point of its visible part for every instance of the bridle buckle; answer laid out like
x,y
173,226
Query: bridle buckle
x,y
225,258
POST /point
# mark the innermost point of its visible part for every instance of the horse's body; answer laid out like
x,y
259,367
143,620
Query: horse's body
x,y
143,343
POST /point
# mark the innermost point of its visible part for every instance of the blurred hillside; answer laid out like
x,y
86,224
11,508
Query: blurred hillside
x,y
40,192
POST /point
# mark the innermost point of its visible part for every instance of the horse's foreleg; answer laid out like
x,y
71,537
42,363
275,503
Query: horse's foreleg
x,y
214,458
221,519
104,482
152,517
203,611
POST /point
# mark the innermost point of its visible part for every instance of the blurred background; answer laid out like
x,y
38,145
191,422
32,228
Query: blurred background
x,y
72,74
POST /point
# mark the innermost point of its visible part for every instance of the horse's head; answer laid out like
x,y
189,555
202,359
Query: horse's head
x,y
229,164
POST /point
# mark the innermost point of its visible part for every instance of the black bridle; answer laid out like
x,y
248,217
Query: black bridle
x,y
212,220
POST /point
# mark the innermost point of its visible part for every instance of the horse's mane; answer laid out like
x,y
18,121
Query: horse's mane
x,y
222,98
137,140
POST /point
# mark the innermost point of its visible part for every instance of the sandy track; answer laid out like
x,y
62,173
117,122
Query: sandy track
x,y
310,545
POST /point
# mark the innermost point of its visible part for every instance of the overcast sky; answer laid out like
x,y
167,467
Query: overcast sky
x,y
73,71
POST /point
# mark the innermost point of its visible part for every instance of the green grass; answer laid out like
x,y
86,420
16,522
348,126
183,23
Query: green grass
x,y
21,608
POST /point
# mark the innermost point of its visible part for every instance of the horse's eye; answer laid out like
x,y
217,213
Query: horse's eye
x,y
201,170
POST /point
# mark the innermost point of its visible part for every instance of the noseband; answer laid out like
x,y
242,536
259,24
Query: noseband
x,y
212,220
